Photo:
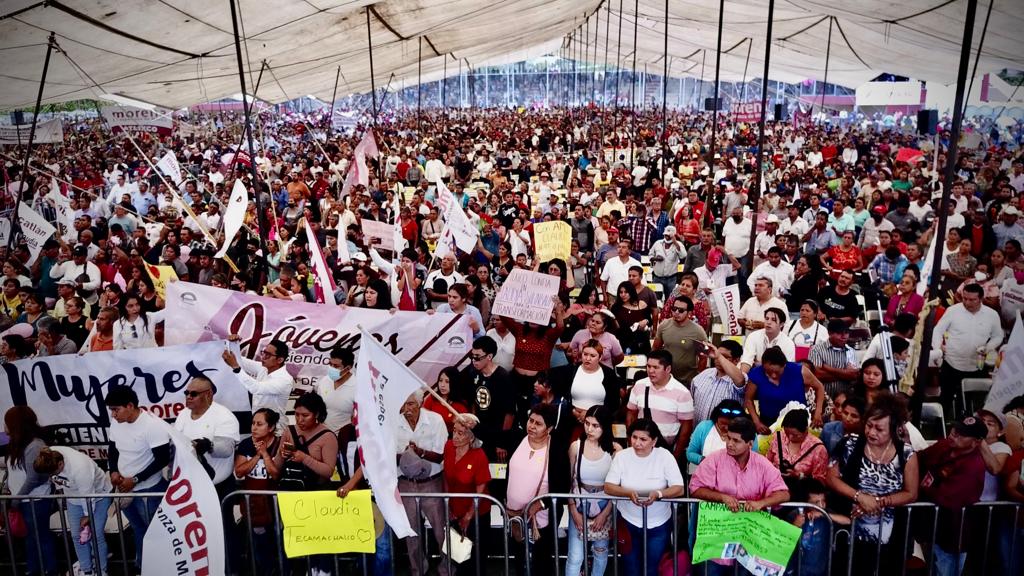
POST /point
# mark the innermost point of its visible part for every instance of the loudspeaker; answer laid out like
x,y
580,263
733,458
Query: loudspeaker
x,y
17,117
927,121
779,111
709,104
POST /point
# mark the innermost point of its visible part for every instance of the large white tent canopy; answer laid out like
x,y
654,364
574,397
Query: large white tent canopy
x,y
176,53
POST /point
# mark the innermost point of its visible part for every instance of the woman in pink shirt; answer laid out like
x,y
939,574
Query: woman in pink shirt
x,y
797,454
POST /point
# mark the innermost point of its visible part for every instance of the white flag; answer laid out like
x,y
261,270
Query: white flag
x,y
34,230
186,535
458,224
383,384
727,301
324,286
343,255
445,198
169,166
234,215
1008,379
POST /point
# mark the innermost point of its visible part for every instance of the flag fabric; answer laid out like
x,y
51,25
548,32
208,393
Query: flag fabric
x,y
160,275
909,155
234,215
383,384
445,199
1008,379
186,535
323,281
169,166
926,268
343,255
358,172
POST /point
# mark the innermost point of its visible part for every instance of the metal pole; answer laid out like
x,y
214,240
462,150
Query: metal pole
x,y
947,185
419,89
750,45
604,78
981,44
632,98
714,114
664,84
618,76
334,96
373,83
15,220
756,192
828,55
261,213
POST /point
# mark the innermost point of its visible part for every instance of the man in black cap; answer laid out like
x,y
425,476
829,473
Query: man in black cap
x,y
835,363
953,477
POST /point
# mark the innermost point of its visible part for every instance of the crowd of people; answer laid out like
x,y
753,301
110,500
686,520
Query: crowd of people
x,y
810,402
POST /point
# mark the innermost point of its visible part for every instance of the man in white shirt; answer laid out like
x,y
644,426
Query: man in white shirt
x,y
79,270
964,336
435,169
776,269
751,314
420,438
213,430
267,380
771,335
793,223
139,450
736,232
766,239
447,275
119,189
616,270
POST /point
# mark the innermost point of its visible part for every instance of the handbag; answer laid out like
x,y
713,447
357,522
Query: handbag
x,y
456,546
16,523
295,476
623,541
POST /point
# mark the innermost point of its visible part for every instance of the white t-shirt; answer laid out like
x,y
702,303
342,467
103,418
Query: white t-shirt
x,y
340,402
645,475
506,348
217,422
587,389
449,280
991,491
135,442
616,272
81,475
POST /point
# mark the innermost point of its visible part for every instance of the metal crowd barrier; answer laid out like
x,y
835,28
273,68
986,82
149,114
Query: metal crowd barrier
x,y
62,538
994,543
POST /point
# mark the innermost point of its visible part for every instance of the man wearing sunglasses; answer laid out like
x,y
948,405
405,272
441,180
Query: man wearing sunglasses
x,y
213,429
267,380
681,336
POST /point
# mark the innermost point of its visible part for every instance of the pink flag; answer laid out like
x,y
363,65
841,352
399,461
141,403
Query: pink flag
x,y
323,281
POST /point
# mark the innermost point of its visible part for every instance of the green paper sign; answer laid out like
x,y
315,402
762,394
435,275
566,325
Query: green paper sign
x,y
759,541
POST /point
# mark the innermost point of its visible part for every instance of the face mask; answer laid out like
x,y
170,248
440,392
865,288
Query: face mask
x,y
333,374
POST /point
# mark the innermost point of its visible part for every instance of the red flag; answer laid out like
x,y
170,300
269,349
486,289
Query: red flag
x,y
909,155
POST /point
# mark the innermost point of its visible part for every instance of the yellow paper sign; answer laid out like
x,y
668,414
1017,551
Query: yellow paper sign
x,y
160,275
554,239
322,523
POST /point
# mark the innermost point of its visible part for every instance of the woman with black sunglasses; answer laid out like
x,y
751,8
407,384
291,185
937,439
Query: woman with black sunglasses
x,y
709,436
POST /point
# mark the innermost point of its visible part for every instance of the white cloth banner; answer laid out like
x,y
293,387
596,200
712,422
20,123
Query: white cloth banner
x,y
34,230
343,254
324,287
463,232
131,119
381,235
1008,379
383,384
186,535
234,216
169,166
65,214
48,132
67,391
197,313
727,302
889,93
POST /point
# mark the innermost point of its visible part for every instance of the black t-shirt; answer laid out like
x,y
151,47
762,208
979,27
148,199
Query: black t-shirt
x,y
835,305
490,399
507,214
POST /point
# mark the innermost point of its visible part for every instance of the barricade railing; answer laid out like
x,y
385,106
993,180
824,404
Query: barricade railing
x,y
266,545
992,538
43,544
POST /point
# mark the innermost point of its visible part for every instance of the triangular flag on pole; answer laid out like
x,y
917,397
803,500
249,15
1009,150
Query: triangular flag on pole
x,y
234,215
323,286
169,166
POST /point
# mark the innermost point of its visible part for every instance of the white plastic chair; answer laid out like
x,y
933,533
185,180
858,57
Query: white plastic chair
x,y
934,411
975,385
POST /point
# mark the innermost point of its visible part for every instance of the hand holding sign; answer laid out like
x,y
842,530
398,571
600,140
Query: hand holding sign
x,y
527,296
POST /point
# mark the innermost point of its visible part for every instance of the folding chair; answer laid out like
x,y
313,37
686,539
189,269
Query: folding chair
x,y
977,387
930,413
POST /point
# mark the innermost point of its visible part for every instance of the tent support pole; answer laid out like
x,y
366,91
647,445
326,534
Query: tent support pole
x,y
664,84
373,83
419,89
947,184
632,92
334,96
714,114
756,192
261,219
615,96
828,55
15,220
604,77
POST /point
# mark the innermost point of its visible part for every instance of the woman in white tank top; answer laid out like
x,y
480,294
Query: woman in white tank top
x,y
590,522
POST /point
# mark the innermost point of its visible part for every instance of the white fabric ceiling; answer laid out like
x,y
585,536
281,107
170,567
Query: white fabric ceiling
x,y
180,52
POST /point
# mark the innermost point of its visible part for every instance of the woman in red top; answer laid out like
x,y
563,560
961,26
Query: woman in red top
x,y
467,471
846,256
444,388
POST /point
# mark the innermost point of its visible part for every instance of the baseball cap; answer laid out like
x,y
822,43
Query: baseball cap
x,y
771,219
613,230
80,250
971,427
1011,211
670,230
880,209
67,282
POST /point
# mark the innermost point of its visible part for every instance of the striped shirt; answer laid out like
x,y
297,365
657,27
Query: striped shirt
x,y
709,389
825,354
669,405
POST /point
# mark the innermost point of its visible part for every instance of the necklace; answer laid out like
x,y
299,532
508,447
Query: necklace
x,y
878,459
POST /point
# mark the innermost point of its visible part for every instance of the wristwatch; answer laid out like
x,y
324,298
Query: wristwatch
x,y
236,369
135,480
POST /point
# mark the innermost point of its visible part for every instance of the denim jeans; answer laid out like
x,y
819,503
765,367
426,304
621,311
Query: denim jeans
x,y
948,563
382,558
578,549
657,542
1011,556
811,556
87,561
39,542
140,513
